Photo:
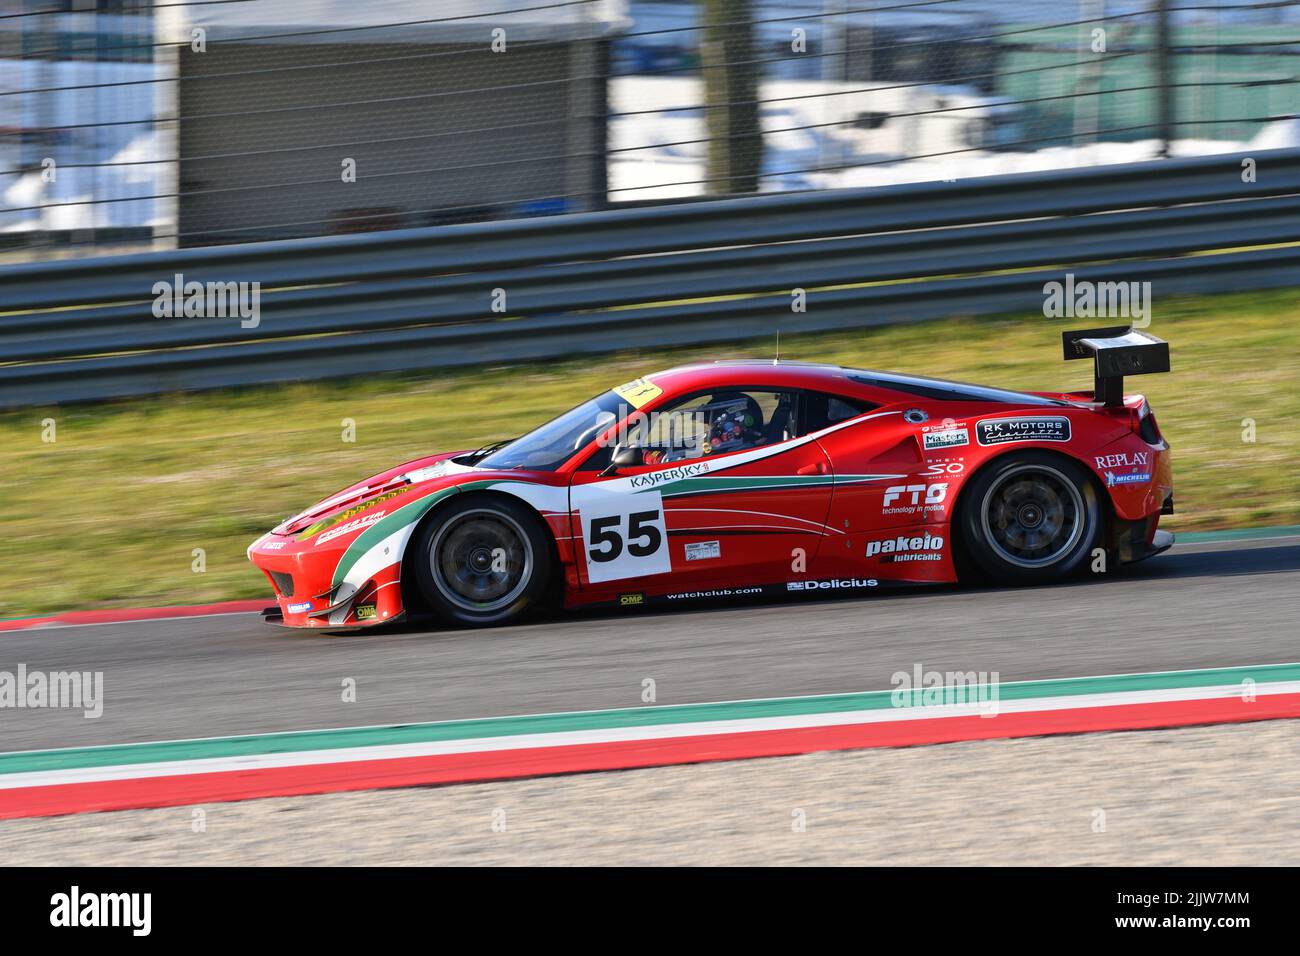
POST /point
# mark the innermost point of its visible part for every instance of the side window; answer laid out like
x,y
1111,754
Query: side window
x,y
716,423
822,410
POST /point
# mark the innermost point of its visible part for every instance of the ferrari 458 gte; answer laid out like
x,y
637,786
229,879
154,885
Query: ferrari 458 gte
x,y
721,480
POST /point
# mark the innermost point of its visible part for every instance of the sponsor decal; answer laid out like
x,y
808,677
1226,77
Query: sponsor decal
x,y
653,479
944,466
713,593
914,499
947,438
1135,478
703,550
1127,459
921,547
366,612
364,521
638,391
299,608
273,546
832,585
352,512
631,600
999,431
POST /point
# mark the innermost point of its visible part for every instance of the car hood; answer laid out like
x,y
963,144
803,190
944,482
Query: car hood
x,y
439,469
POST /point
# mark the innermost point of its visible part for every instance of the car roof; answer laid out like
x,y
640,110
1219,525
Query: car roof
x,y
876,386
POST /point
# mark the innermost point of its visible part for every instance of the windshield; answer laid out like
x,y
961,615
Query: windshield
x,y
548,447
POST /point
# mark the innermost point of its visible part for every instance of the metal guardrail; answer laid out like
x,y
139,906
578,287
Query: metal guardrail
x,y
695,272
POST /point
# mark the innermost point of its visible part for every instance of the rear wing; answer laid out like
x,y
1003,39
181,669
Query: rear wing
x,y
1116,351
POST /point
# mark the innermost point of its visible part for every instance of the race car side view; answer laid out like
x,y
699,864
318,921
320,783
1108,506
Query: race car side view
x,y
719,480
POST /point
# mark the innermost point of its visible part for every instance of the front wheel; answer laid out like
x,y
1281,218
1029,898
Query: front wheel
x,y
1030,518
483,561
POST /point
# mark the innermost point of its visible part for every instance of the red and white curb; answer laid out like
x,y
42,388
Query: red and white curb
x,y
129,615
173,773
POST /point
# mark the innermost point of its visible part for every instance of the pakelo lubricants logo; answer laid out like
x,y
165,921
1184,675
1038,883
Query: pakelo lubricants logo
x,y
920,547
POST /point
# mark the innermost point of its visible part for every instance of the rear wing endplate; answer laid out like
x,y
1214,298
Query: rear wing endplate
x,y
1116,351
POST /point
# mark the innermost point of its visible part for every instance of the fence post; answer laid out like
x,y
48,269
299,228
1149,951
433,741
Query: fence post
x,y
1164,69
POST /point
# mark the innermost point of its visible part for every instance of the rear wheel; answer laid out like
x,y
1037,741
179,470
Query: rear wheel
x,y
1030,518
483,561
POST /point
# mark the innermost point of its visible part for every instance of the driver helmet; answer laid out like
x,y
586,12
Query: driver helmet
x,y
735,422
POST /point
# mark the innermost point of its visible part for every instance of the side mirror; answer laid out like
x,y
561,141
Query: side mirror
x,y
624,456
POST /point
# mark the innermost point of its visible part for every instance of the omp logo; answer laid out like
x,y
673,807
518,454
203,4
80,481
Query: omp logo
x,y
631,600
215,300
656,478
919,498
924,547
74,908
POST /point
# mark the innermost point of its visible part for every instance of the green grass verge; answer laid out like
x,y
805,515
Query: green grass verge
x,y
111,511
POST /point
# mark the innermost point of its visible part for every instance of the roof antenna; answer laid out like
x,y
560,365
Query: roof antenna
x,y
777,360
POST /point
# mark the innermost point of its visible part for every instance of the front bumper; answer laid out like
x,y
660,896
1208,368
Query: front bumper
x,y
301,577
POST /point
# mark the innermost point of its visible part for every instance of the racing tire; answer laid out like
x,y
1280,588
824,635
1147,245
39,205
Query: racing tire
x,y
483,561
1030,518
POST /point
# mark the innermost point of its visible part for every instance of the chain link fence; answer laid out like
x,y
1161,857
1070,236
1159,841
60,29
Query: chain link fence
x,y
135,124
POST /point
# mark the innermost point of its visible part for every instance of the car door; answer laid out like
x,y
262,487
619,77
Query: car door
x,y
705,514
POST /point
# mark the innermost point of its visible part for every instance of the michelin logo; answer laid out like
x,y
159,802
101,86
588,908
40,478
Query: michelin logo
x,y
1138,478
925,547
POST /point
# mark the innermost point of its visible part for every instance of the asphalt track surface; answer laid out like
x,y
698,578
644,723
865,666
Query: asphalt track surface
x,y
1206,605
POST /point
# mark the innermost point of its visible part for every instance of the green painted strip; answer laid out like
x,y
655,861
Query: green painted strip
x,y
1238,534
83,757
724,484
381,529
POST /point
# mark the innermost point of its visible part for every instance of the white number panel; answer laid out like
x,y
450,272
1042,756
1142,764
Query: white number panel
x,y
623,535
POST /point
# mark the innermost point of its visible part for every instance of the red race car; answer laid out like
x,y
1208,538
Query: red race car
x,y
718,480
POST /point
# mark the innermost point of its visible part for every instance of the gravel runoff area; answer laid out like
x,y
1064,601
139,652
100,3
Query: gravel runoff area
x,y
1225,795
